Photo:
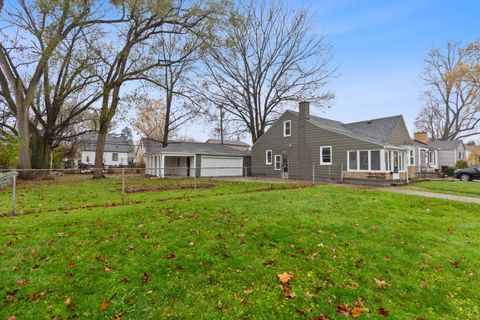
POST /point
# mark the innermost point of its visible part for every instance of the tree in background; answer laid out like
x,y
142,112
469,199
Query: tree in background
x,y
44,24
451,100
8,151
265,57
150,118
132,56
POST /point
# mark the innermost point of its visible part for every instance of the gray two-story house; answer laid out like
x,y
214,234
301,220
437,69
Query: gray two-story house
x,y
302,146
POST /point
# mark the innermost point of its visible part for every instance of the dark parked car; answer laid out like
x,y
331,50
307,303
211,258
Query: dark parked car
x,y
467,174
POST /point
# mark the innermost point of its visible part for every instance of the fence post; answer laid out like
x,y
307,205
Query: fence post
x,y
123,186
14,192
341,174
329,174
313,173
195,178
246,179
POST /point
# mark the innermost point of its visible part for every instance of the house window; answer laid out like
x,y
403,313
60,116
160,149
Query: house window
x,y
364,160
431,157
88,159
287,128
352,160
268,157
326,155
388,163
460,155
375,160
114,156
278,162
411,157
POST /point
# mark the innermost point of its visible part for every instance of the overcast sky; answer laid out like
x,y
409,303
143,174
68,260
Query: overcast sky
x,y
379,49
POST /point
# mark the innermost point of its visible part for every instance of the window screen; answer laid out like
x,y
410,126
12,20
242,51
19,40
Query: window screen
x,y
375,160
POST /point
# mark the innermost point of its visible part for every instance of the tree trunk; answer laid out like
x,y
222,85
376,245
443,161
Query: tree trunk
x,y
23,133
102,135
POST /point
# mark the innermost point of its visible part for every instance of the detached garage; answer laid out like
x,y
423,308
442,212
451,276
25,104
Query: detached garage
x,y
190,159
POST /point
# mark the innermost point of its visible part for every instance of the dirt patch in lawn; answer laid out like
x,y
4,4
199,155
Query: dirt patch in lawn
x,y
154,188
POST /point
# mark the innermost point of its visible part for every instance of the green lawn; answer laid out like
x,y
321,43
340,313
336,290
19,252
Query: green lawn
x,y
455,187
217,252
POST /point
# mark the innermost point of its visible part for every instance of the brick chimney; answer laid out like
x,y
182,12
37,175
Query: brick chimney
x,y
421,137
304,110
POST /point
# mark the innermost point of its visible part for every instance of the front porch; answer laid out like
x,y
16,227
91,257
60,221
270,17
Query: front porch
x,y
171,165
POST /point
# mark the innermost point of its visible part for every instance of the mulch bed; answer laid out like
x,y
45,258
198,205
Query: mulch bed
x,y
154,188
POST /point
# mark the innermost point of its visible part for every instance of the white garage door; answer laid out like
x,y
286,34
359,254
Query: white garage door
x,y
221,166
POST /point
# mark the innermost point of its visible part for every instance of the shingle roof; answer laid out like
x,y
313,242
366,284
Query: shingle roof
x,y
113,143
230,142
378,130
151,145
200,148
445,144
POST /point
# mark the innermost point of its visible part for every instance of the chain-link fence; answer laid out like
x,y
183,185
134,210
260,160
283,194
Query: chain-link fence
x,y
42,190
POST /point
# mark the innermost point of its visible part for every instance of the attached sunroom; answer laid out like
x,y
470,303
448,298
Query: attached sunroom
x,y
389,163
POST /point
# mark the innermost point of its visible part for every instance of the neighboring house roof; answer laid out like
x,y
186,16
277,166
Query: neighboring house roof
x,y
445,144
378,131
113,143
419,144
228,142
200,148
151,145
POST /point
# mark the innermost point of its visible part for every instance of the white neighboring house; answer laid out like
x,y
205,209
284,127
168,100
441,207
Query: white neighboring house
x,y
436,155
116,152
190,159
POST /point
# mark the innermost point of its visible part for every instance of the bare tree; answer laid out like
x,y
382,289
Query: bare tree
x,y
451,100
174,80
33,30
266,57
150,118
131,57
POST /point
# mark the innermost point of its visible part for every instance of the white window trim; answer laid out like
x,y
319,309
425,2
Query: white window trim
x,y
409,158
279,161
369,161
266,157
321,156
285,127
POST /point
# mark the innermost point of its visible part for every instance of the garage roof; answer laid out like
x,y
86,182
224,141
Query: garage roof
x,y
200,148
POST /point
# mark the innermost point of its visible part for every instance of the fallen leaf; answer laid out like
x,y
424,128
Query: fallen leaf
x,y
344,309
388,258
320,245
21,282
247,291
380,283
107,269
1,253
70,303
454,263
309,294
284,277
438,268
146,277
313,255
383,312
12,318
357,312
290,295
104,306
322,317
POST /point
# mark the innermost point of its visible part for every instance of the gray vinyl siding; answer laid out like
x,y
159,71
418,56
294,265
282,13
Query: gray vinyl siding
x,y
449,157
317,137
301,163
274,140
400,135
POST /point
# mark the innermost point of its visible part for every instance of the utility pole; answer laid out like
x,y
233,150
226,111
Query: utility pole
x,y
221,124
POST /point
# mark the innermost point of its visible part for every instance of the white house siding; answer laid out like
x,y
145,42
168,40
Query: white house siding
x,y
107,158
